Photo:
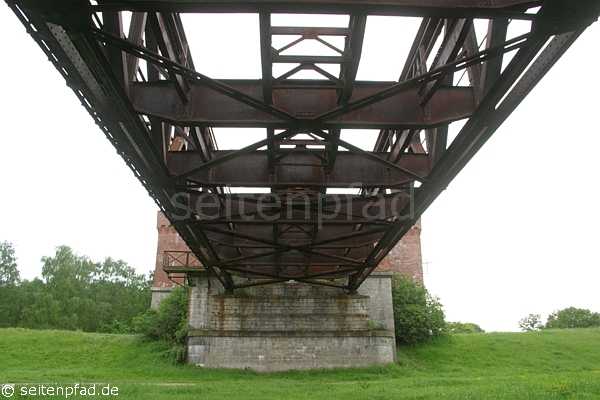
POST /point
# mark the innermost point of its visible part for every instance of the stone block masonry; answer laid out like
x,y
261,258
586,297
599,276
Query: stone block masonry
x,y
290,326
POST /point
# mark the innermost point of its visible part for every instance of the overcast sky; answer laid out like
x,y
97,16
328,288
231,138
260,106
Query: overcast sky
x,y
515,233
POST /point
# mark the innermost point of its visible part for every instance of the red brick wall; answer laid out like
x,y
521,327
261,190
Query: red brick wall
x,y
405,258
168,240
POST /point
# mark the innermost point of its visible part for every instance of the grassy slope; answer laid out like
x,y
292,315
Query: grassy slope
x,y
547,365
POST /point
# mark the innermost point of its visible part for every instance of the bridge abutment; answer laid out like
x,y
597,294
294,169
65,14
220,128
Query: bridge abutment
x,y
290,325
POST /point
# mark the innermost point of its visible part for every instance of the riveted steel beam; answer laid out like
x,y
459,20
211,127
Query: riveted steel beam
x,y
441,8
207,107
298,168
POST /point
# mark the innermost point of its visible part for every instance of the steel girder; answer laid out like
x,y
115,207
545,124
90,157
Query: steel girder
x,y
208,107
300,167
160,121
444,8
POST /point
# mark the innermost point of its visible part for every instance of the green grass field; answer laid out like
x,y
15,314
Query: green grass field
x,y
546,365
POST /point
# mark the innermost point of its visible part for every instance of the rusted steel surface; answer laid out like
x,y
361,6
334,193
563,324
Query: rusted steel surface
x,y
205,106
374,7
298,168
160,119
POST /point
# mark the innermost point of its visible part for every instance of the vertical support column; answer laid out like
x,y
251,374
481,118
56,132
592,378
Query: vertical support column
x,y
136,31
266,57
113,24
353,50
332,148
437,138
454,38
162,27
157,128
271,149
490,72
471,47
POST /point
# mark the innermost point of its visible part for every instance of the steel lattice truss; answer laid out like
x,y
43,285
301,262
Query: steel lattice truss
x,y
159,115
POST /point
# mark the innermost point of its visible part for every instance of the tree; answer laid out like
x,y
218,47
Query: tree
x,y
67,295
9,274
532,322
573,318
418,316
77,293
114,280
11,300
464,327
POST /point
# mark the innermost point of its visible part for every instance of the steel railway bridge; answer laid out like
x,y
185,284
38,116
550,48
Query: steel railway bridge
x,y
143,91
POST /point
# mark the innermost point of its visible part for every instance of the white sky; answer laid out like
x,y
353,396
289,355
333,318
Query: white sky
x,y
515,233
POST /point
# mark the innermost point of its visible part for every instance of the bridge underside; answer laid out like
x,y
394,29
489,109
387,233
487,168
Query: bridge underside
x,y
143,90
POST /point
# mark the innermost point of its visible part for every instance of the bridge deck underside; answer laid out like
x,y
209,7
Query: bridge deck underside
x,y
144,92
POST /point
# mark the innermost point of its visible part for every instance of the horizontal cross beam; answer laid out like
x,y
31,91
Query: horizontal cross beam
x,y
441,8
271,208
298,168
260,237
207,107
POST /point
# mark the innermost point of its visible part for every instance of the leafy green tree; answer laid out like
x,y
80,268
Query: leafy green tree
x,y
573,318
464,327
114,280
77,293
40,310
10,305
9,291
530,323
418,316
9,273
68,279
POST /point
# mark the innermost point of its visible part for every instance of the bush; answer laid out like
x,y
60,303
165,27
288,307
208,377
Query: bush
x,y
117,327
146,324
417,315
168,324
464,327
532,322
573,318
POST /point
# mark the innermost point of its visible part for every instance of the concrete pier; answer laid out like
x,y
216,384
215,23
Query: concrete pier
x,y
290,326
